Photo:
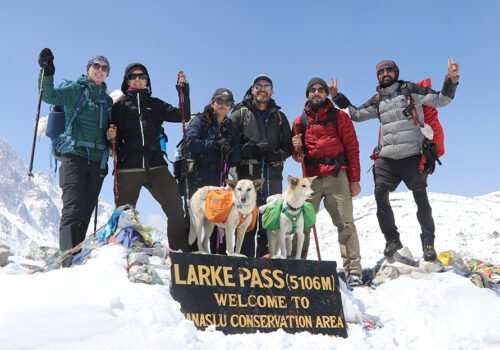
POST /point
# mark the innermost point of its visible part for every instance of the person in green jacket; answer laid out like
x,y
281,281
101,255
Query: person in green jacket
x,y
84,163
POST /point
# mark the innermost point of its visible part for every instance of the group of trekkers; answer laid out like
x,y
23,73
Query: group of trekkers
x,y
251,139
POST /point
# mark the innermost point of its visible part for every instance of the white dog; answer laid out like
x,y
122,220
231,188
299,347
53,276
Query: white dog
x,y
297,192
244,200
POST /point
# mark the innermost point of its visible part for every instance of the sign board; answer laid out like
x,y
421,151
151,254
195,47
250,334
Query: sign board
x,y
245,295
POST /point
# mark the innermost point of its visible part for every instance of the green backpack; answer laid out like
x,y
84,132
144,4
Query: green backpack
x,y
271,216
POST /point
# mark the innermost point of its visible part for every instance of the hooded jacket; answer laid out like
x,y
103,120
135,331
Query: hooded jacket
x,y
139,118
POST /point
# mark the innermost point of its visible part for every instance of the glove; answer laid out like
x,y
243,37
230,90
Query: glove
x,y
233,174
273,156
46,61
429,157
261,148
222,145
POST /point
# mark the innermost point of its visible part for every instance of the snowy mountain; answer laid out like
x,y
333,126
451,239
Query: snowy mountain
x,y
30,208
468,225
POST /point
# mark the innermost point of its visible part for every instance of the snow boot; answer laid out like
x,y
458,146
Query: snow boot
x,y
354,280
391,247
429,252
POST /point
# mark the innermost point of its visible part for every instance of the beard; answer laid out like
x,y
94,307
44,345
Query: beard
x,y
386,81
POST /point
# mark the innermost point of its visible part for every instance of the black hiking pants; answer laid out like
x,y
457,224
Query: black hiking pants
x,y
388,175
164,190
80,180
272,185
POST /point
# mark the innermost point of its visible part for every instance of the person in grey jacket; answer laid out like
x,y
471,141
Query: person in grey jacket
x,y
399,107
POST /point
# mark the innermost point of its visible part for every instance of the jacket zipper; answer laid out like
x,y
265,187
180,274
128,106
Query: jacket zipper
x,y
142,130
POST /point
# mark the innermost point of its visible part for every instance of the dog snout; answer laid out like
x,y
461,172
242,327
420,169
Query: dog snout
x,y
244,199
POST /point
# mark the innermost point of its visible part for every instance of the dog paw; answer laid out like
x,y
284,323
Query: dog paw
x,y
236,255
278,257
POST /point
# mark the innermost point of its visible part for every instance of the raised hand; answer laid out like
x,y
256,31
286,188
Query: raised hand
x,y
332,87
46,61
181,78
453,70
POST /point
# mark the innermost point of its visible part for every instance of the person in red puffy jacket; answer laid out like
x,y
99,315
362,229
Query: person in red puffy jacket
x,y
325,141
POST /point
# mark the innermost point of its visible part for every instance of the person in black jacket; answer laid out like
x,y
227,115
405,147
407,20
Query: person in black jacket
x,y
213,144
266,141
138,118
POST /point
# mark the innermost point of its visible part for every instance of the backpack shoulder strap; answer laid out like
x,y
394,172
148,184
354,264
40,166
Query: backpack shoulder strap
x,y
79,106
332,118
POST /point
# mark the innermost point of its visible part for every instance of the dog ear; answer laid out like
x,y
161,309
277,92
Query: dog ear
x,y
231,183
258,183
311,178
293,181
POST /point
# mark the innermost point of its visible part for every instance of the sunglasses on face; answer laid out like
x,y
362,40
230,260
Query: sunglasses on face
x,y
133,76
263,87
320,90
221,101
386,70
97,66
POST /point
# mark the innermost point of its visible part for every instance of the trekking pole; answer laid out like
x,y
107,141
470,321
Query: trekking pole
x,y
95,214
300,155
115,175
37,118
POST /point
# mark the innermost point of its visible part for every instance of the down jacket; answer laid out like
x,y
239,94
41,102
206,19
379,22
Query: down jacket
x,y
321,139
401,135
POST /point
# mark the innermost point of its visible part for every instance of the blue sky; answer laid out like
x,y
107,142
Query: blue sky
x,y
227,43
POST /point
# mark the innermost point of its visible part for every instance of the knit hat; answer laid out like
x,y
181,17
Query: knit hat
x,y
98,58
262,77
315,81
386,64
222,92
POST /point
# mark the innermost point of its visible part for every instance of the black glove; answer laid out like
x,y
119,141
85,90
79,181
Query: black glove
x,y
429,149
46,61
223,145
262,148
273,156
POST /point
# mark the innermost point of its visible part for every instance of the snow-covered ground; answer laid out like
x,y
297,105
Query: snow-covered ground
x,y
94,306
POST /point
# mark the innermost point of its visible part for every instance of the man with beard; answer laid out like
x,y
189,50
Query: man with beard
x,y
325,140
399,107
265,139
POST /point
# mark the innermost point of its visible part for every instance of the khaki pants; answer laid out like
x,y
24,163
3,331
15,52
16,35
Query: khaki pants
x,y
338,203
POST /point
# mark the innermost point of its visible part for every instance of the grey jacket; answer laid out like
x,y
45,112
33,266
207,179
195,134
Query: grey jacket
x,y
401,136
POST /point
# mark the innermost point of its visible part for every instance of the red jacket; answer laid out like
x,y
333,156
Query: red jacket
x,y
322,140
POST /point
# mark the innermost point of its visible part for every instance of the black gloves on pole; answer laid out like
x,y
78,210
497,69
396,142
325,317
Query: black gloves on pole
x,y
46,61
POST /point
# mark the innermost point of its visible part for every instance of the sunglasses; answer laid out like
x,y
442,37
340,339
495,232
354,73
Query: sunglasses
x,y
263,87
221,101
97,66
133,76
320,90
386,70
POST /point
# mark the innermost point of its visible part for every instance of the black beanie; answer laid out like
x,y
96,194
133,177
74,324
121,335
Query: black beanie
x,y
314,81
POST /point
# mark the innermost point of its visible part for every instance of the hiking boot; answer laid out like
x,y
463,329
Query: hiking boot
x,y
391,247
354,280
429,252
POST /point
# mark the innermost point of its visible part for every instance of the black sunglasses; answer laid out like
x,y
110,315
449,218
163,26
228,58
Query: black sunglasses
x,y
97,66
221,101
133,76
320,90
387,70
